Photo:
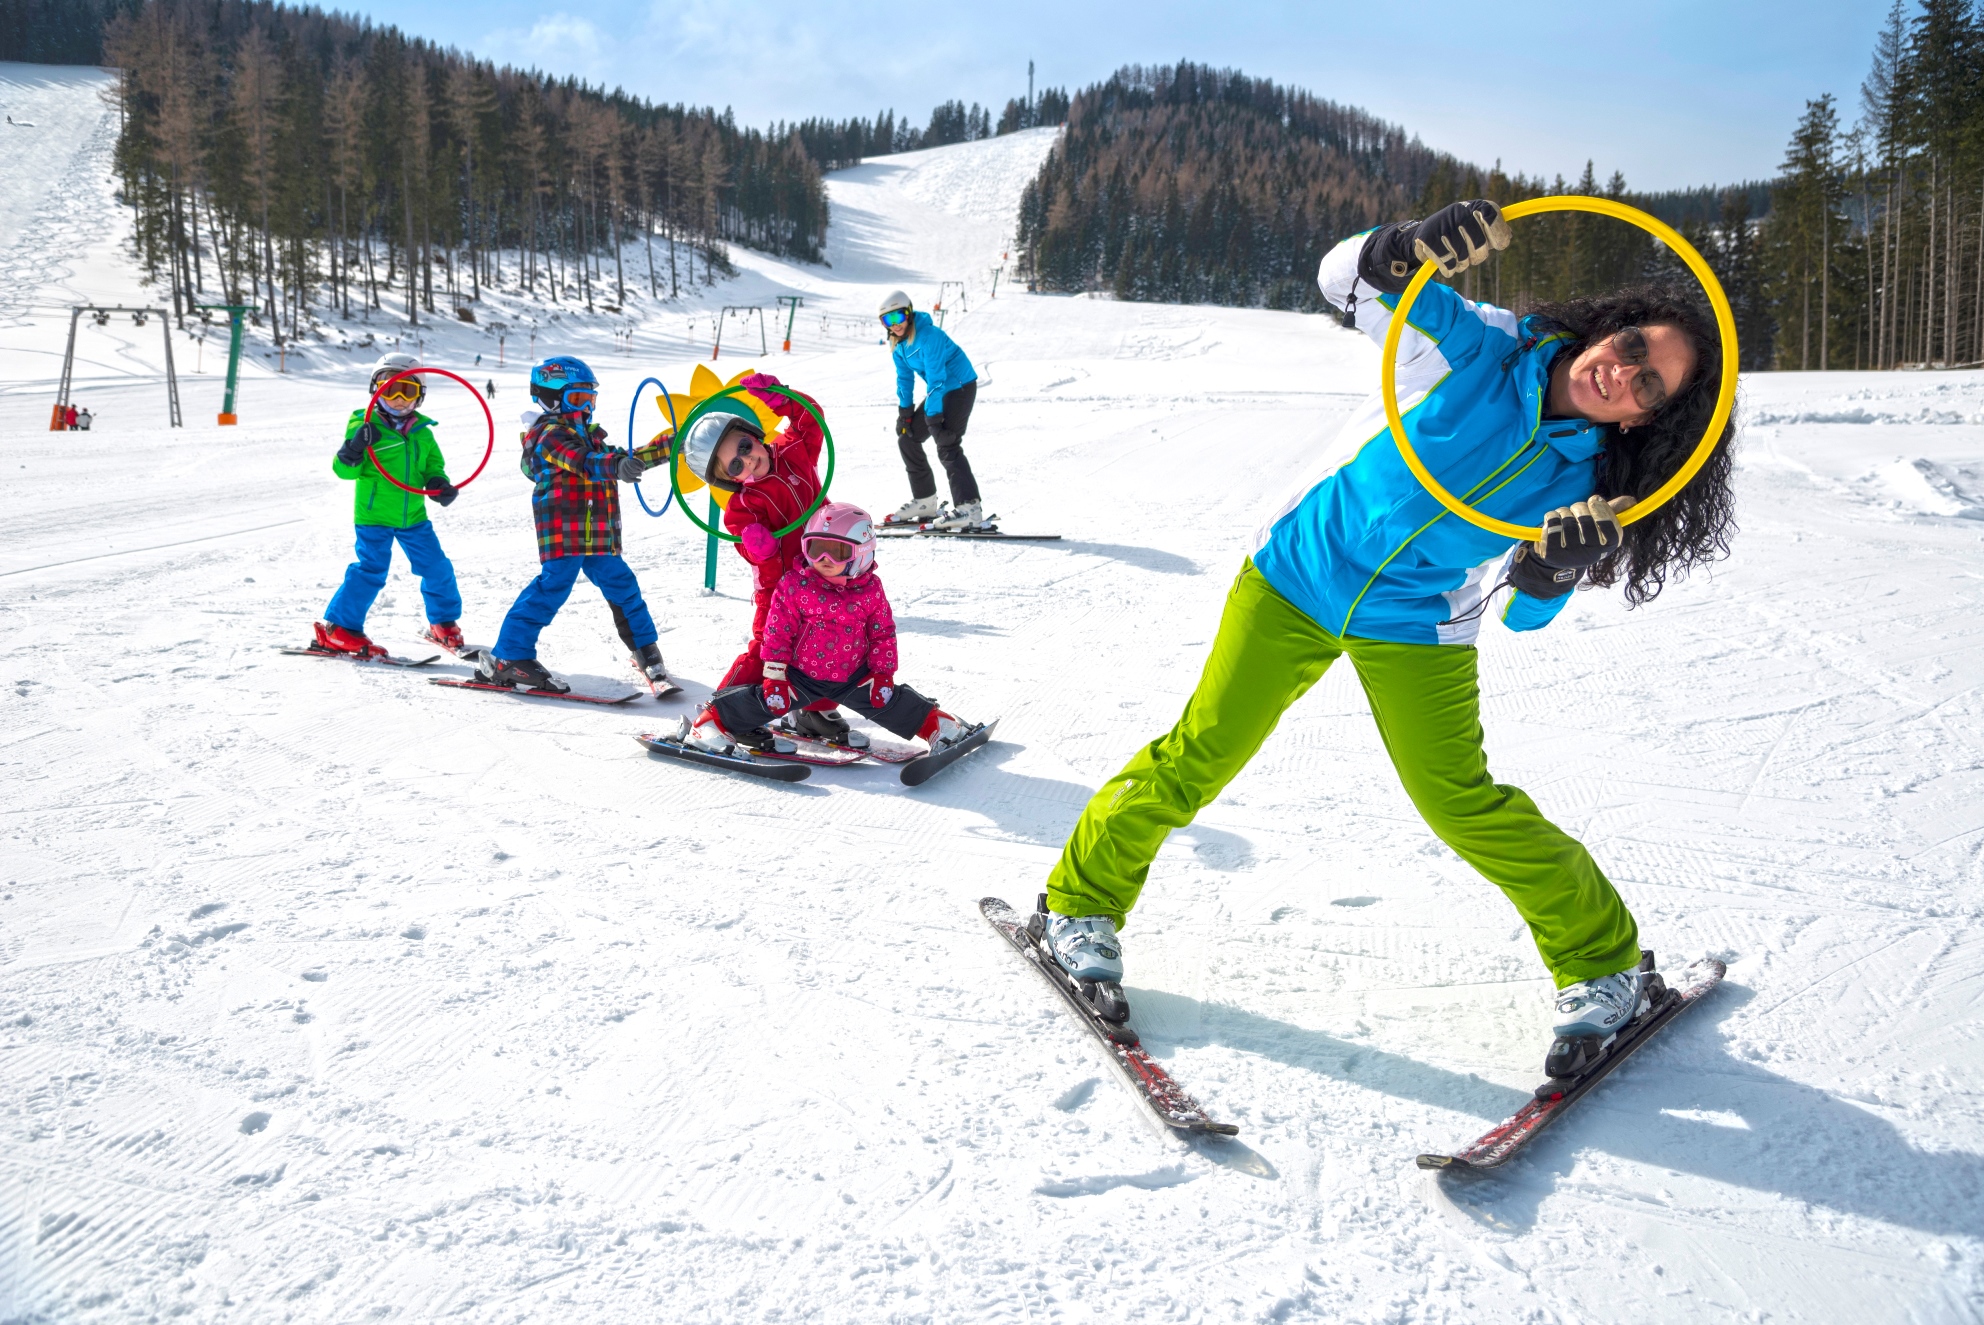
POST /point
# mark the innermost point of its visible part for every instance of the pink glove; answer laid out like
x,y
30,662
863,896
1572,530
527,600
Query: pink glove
x,y
881,689
779,696
759,545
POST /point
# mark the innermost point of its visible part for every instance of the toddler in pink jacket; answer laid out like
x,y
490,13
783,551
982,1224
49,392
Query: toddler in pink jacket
x,y
829,635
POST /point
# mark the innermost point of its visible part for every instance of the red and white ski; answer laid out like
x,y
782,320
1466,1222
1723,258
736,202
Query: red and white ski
x,y
1166,1098
1554,1098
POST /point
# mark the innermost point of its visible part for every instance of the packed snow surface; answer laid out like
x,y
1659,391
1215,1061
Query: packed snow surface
x,y
328,995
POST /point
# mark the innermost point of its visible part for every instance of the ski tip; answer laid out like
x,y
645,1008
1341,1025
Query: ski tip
x,y
1218,1129
1437,1162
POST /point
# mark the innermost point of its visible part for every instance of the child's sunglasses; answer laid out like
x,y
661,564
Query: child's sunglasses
x,y
895,317
736,467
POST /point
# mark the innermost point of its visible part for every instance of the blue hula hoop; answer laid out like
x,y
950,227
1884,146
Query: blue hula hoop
x,y
669,405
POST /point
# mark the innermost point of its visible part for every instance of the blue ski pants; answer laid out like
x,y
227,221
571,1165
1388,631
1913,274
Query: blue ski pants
x,y
543,596
364,578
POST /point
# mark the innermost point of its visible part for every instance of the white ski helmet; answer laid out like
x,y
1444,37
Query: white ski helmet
x,y
391,365
699,447
893,300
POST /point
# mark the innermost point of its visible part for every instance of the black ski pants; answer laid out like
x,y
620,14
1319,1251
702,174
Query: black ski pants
x,y
740,708
950,447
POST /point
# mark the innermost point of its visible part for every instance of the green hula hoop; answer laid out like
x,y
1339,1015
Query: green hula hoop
x,y
675,468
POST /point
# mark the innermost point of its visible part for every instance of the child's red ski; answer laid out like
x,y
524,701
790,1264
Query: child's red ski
x,y
1554,1098
1167,1099
571,695
882,752
387,659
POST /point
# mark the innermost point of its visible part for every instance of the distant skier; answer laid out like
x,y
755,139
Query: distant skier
x,y
1526,418
83,419
575,503
950,386
402,439
829,635
491,392
69,418
771,482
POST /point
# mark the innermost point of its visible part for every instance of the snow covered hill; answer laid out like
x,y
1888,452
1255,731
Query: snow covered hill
x,y
326,994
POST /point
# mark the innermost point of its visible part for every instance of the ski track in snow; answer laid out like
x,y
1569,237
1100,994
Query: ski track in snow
x,y
327,994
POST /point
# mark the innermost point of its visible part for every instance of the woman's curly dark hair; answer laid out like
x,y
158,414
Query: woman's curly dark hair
x,y
1695,527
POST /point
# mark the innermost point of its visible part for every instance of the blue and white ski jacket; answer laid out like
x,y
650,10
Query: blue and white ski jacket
x,y
928,353
1360,546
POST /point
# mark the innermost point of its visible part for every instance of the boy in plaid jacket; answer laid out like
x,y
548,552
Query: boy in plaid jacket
x,y
576,506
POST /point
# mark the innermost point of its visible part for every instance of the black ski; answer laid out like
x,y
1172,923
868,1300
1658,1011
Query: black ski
x,y
669,748
1166,1098
387,660
919,771
572,695
1554,1098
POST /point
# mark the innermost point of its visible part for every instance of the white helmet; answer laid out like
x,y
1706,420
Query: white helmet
x,y
893,300
699,447
391,365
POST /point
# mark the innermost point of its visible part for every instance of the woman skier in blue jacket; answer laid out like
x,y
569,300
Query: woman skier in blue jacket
x,y
950,386
1558,419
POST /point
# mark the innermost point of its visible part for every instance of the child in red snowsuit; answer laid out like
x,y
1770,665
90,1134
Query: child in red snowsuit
x,y
776,486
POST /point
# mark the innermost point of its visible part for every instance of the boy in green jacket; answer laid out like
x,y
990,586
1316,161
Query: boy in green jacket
x,y
402,439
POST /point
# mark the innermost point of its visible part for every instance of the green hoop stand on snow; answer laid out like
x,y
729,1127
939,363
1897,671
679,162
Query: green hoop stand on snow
x,y
675,469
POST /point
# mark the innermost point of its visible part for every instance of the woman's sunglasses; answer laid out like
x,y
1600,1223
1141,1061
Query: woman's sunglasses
x,y
895,317
828,549
736,467
1649,392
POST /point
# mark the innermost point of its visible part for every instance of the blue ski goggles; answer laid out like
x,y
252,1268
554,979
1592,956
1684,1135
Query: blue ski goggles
x,y
895,317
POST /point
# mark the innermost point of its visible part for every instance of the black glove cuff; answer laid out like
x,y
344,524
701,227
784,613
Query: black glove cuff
x,y
1386,262
1536,577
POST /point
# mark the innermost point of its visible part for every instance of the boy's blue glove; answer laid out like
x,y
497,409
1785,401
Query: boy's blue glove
x,y
354,446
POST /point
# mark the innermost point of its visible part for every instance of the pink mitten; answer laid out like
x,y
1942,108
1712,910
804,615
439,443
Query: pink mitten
x,y
759,545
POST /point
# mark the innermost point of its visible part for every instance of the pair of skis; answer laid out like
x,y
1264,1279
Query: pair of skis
x,y
1177,1110
796,765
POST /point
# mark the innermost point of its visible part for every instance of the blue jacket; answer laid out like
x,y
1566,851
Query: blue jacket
x,y
931,355
1360,546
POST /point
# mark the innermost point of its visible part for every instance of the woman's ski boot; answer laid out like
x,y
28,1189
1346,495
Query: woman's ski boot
x,y
1087,949
1591,1013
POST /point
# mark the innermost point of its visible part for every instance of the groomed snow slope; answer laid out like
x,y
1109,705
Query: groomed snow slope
x,y
329,995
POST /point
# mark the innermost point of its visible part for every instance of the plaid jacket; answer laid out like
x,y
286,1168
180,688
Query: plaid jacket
x,y
576,500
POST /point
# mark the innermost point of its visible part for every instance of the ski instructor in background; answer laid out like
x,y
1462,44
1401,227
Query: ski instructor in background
x,y
1558,419
950,385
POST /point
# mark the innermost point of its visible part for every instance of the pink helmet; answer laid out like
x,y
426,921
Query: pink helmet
x,y
843,522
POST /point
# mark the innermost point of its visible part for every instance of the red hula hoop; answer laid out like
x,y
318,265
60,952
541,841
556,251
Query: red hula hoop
x,y
486,452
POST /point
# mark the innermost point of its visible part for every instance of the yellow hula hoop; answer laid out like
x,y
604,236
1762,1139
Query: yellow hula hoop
x,y
1725,323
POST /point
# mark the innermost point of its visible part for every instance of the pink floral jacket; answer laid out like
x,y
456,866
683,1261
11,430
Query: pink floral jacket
x,y
831,632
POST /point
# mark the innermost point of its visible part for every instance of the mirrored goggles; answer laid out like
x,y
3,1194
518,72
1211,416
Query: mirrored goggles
x,y
895,317
580,397
407,391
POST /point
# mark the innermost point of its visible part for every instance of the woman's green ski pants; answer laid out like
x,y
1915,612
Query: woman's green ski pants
x,y
1427,702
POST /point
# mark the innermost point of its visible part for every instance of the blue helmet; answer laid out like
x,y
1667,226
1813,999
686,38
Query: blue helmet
x,y
550,380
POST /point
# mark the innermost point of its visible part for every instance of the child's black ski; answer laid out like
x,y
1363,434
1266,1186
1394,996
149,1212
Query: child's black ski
x,y
918,771
1554,1098
669,748
571,695
311,651
1167,1099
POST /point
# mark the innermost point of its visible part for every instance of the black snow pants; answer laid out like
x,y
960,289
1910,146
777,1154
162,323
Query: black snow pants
x,y
950,447
740,708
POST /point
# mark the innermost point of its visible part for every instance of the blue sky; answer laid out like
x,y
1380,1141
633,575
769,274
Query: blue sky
x,y
1672,92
